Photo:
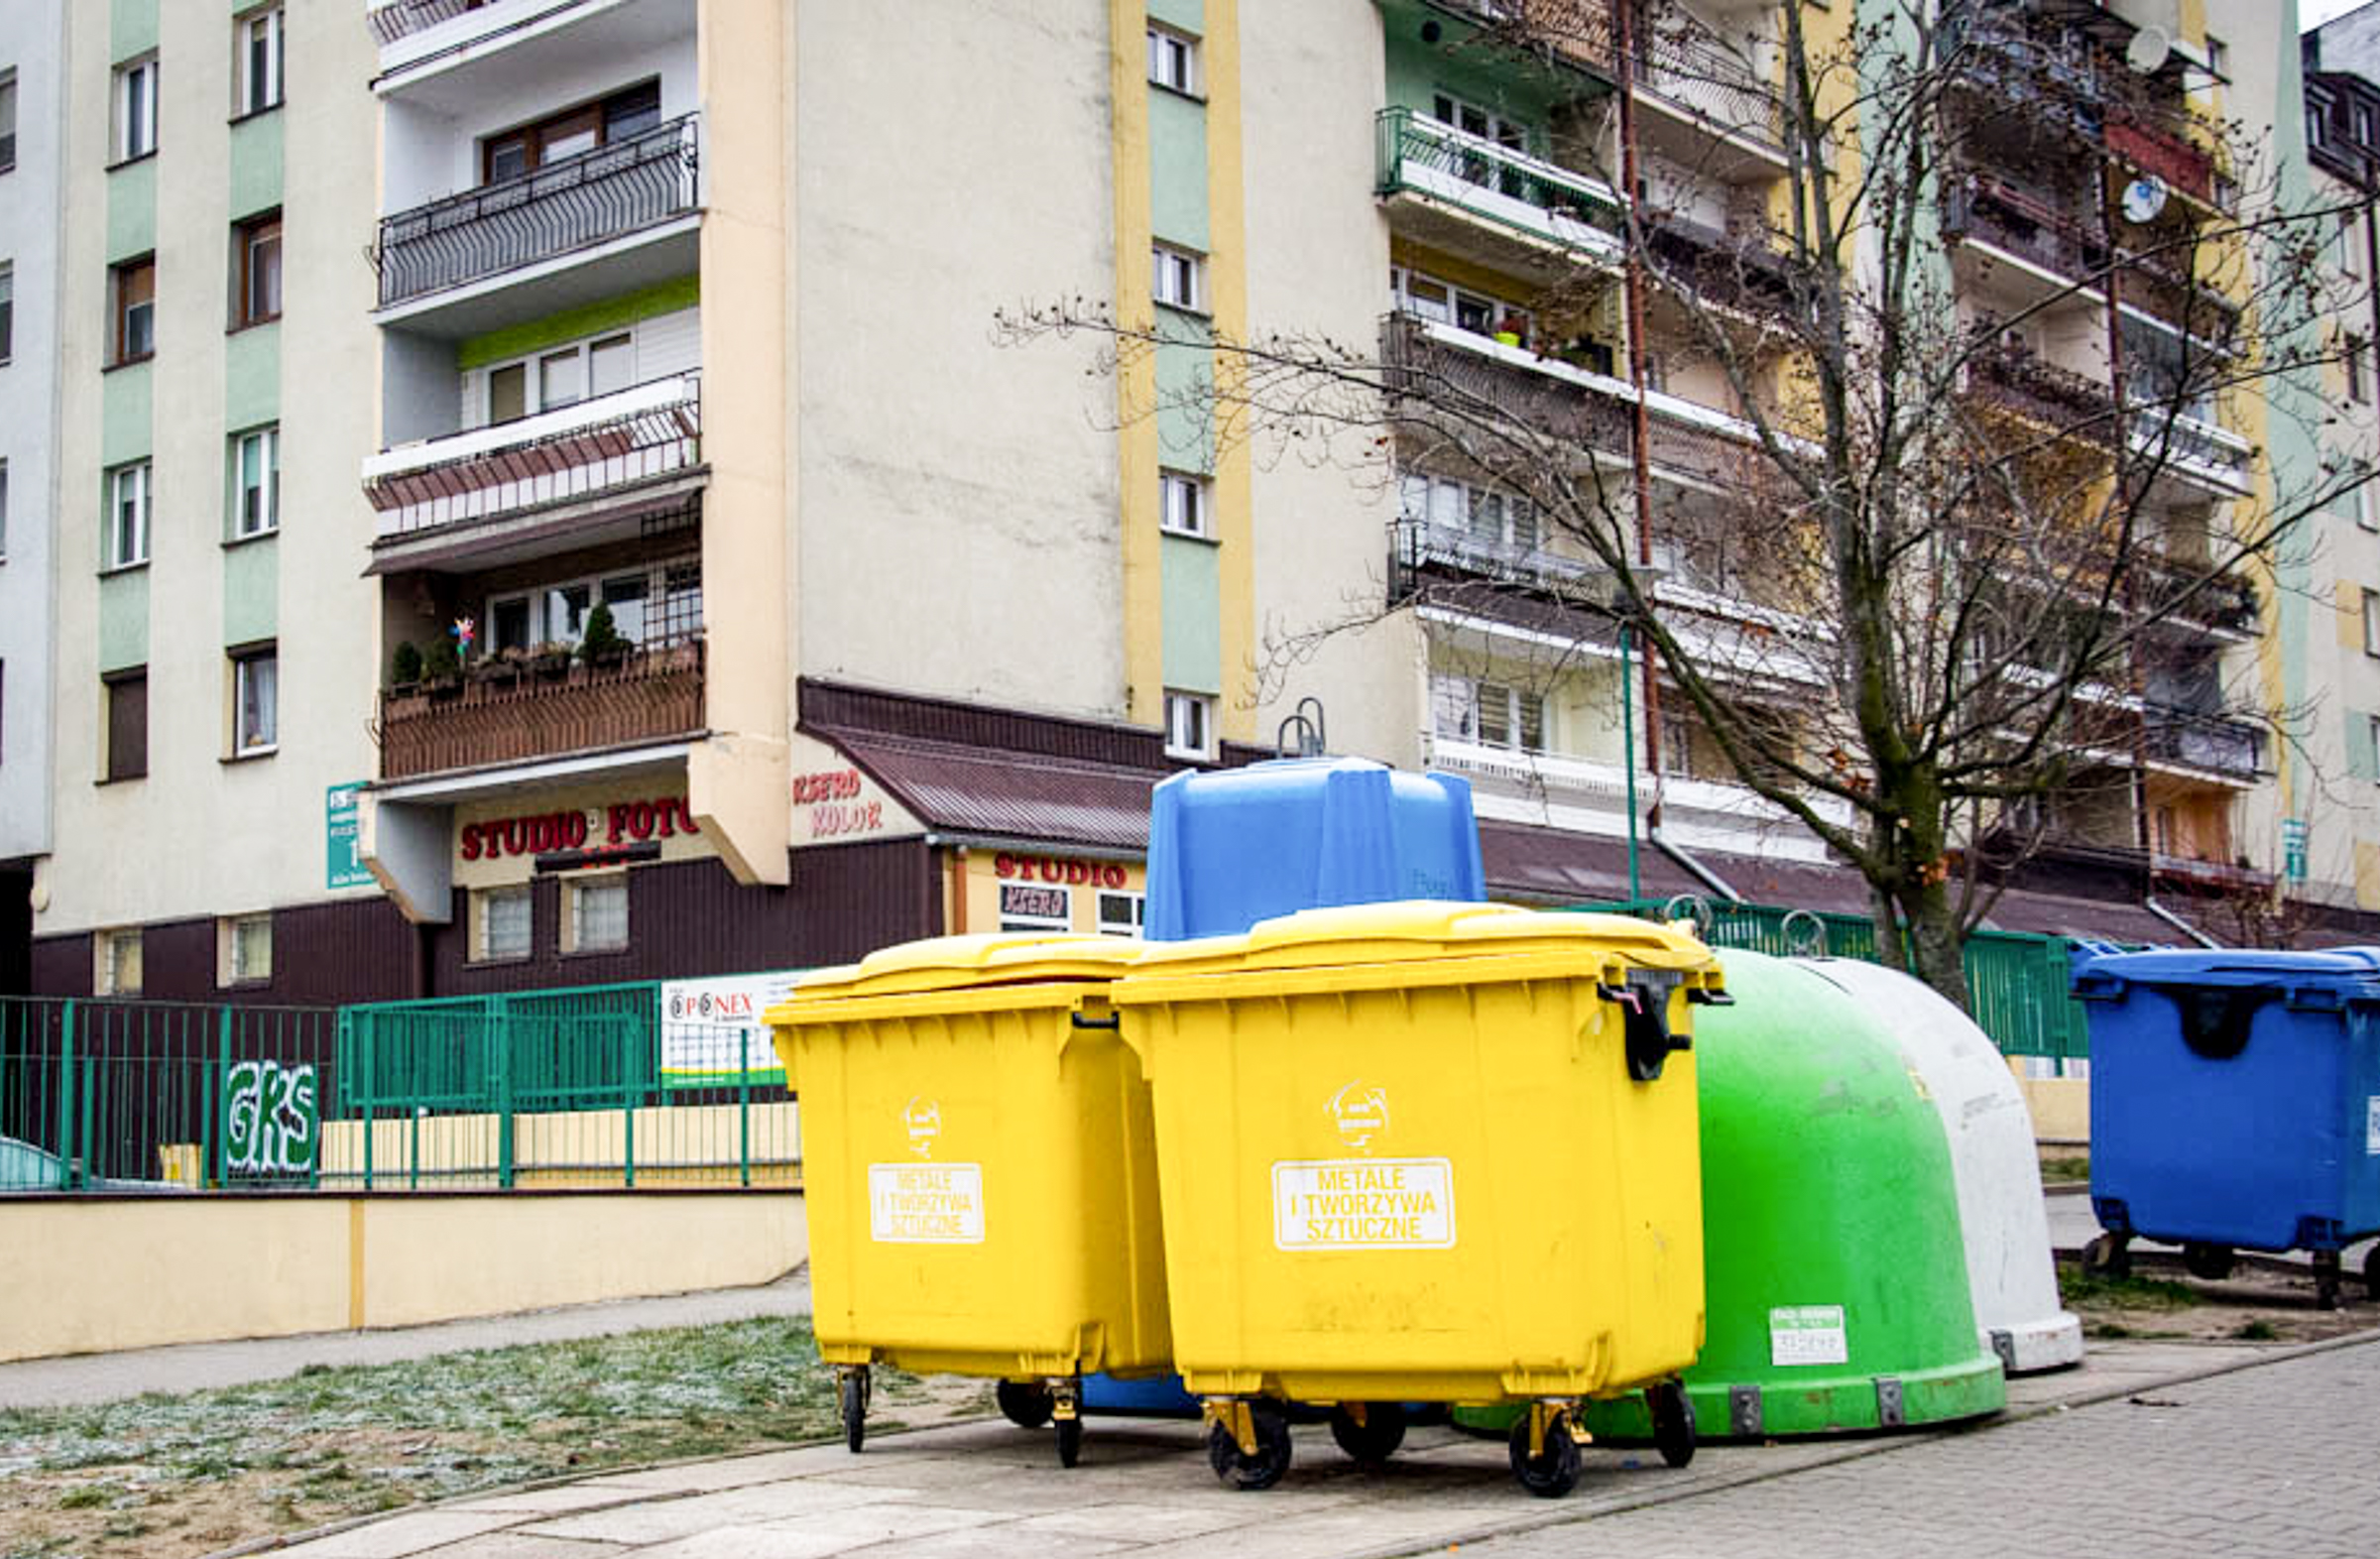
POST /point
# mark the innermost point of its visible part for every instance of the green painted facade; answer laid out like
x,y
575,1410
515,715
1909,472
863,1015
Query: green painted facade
x,y
1417,72
123,620
255,158
1185,15
131,26
132,211
251,591
1177,173
252,377
571,324
124,404
1184,440
1192,575
2294,459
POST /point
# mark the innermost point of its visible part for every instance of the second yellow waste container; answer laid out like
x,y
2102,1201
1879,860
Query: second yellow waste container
x,y
978,1170
1427,1151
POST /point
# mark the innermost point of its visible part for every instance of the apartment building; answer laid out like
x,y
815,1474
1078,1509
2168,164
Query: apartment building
x,y
543,497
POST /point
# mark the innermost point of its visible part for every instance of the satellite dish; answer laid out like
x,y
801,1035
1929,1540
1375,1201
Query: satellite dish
x,y
2144,198
2148,50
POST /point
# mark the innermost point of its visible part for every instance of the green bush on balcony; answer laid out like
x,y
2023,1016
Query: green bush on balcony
x,y
405,667
602,644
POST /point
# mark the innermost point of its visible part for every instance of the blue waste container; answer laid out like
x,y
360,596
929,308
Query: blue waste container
x,y
2235,1104
1229,849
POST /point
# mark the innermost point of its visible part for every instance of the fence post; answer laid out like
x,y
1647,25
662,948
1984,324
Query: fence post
x,y
222,1108
502,1064
348,1050
628,1114
743,1111
65,1099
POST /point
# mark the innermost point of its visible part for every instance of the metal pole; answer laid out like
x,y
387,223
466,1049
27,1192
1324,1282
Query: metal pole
x,y
1627,747
65,1100
1624,69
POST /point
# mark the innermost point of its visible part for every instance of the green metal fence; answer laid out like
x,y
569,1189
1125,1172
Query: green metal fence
x,y
2016,981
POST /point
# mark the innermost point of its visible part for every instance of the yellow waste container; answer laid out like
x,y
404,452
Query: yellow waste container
x,y
980,1170
1427,1151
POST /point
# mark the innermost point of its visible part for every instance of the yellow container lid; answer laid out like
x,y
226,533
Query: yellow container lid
x,y
959,963
1414,930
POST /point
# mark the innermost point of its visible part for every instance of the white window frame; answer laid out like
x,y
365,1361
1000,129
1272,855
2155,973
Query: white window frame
x,y
8,119
3,510
255,739
1035,922
1178,277
2367,515
2372,735
244,30
1463,702
263,518
1134,916
541,629
1450,312
1511,133
108,962
234,967
2371,621
576,892
533,379
128,482
1173,62
1189,724
135,103
483,907
1186,504
1428,499
8,310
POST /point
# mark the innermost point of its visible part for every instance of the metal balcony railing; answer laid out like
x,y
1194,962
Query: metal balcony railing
x,y
2215,742
2191,594
646,695
591,198
1420,155
1434,363
2023,225
1419,544
1678,64
2015,61
397,19
2043,393
613,443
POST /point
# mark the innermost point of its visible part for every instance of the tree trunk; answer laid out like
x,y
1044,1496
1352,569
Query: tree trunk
x,y
1935,948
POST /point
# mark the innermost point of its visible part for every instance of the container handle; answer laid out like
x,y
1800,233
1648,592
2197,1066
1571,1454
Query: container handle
x,y
1645,1028
2215,1019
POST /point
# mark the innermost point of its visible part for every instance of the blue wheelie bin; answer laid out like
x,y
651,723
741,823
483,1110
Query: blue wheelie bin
x,y
2234,1104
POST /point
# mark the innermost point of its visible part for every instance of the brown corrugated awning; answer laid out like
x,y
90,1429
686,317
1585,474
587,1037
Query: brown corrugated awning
x,y
977,792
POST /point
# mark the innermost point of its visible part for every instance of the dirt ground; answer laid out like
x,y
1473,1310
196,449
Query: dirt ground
x,y
2253,1304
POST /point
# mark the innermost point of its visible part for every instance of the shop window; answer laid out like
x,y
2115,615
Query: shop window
x,y
127,697
1180,280
1189,725
1173,60
116,962
257,37
136,110
502,921
256,483
256,253
597,917
1184,505
1123,915
132,305
255,702
1033,906
570,133
244,949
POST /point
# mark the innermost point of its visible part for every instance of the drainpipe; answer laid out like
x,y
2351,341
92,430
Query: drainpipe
x,y
2147,901
1694,868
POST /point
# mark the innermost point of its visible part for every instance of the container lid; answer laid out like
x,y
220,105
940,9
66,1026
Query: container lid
x,y
952,963
1418,930
2343,972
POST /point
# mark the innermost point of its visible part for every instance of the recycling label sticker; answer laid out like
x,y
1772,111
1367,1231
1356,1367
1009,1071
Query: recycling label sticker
x,y
2371,1127
1807,1334
925,1204
1364,1204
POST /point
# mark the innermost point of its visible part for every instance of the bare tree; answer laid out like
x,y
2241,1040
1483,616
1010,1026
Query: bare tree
x,y
1960,561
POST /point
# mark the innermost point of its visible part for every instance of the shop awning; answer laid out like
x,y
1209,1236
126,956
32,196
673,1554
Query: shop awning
x,y
977,792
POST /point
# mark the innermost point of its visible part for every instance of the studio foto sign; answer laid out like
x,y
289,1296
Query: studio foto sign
x,y
618,827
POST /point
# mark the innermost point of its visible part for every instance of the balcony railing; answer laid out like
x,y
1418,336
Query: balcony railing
x,y
2042,392
1420,155
397,19
1435,362
2189,448
1720,268
2193,594
613,443
2022,224
1700,76
2214,743
486,719
1420,545
580,201
2014,60
2153,148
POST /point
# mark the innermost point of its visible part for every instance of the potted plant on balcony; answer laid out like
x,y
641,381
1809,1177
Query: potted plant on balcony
x,y
443,669
551,660
406,693
602,645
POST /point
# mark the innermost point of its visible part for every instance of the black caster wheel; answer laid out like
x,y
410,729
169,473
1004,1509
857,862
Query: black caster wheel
x,y
1025,1404
1070,1441
1376,1438
2326,1279
2210,1262
1673,1421
852,1395
1554,1471
2109,1255
2371,1272
1262,1470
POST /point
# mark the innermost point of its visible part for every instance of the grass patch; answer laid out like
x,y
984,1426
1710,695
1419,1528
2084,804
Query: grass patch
x,y
2077,1287
2066,1166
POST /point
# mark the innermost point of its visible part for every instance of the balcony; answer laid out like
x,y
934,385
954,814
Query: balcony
x,y
2151,148
1721,268
1437,363
2039,390
395,20
2192,595
2013,62
1420,548
540,471
1464,191
566,207
2195,451
498,715
2023,225
1692,78
2210,743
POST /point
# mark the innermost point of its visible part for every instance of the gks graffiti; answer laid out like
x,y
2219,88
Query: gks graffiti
x,y
271,1123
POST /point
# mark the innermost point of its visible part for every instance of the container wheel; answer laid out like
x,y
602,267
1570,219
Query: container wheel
x,y
2371,1272
2109,1255
2326,1279
1262,1470
1552,1473
1024,1403
852,1393
2210,1262
1673,1421
1376,1438
1070,1441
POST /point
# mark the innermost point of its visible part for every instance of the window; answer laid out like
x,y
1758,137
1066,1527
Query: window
x,y
1032,906
258,38
245,949
2372,735
557,613
1427,297
128,517
504,921
514,153
2219,56
1500,523
256,264
2359,386
127,695
598,917
1123,915
1173,60
256,483
556,379
4,508
1183,505
1471,119
134,285
255,695
2366,515
8,120
2371,622
136,110
1493,714
1180,277
116,962
1189,724
8,311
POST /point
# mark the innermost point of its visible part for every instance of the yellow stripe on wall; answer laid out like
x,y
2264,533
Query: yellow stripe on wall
x,y
1226,276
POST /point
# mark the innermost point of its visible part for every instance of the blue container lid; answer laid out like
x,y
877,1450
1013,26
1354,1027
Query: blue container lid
x,y
2325,979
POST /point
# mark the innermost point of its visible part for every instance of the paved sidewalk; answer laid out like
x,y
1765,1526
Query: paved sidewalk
x,y
197,1367
1145,1489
